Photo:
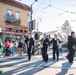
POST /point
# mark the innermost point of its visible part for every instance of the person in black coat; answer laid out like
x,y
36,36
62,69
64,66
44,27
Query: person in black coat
x,y
45,42
71,47
55,41
30,43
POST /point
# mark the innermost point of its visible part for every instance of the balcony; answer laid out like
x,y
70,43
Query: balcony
x,y
11,19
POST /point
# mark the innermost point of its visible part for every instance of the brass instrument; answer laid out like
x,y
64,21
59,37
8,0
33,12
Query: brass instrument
x,y
57,42
28,43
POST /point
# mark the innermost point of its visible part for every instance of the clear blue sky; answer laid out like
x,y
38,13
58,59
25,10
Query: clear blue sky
x,y
53,13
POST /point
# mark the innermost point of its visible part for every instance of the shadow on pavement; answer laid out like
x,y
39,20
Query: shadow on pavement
x,y
65,67
28,69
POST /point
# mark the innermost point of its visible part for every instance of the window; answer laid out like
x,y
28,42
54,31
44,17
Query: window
x,y
16,30
21,31
9,12
25,31
17,15
10,29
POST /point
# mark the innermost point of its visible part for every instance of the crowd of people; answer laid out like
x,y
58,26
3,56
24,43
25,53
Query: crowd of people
x,y
11,47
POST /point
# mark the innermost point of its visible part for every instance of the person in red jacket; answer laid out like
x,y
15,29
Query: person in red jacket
x,y
6,47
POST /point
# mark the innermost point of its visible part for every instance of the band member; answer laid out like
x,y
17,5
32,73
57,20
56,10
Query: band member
x,y
71,47
30,43
55,41
45,42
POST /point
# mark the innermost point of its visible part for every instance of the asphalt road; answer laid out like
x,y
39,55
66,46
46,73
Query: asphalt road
x,y
19,65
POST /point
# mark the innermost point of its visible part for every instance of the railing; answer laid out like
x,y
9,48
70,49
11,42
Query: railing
x,y
12,19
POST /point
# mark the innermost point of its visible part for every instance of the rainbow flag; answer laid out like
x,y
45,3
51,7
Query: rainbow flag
x,y
32,25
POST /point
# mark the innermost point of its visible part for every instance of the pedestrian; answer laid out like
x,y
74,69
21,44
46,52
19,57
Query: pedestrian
x,y
12,47
71,47
24,48
1,48
30,44
45,43
6,48
55,41
20,46
16,46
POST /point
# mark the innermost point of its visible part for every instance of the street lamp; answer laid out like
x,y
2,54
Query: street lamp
x,y
31,11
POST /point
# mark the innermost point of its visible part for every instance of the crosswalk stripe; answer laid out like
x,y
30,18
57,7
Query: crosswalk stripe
x,y
22,71
37,63
11,62
49,64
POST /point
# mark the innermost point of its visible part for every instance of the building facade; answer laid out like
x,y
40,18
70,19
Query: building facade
x,y
13,18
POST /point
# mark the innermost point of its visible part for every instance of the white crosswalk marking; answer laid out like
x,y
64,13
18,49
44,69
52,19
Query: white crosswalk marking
x,y
36,66
40,63
22,71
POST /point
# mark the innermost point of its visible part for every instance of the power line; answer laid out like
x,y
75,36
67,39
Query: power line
x,y
62,13
42,3
48,5
49,15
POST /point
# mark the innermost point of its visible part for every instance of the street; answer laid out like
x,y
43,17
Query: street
x,y
19,65
41,28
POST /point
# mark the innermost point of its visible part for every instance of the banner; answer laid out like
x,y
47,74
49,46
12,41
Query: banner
x,y
32,25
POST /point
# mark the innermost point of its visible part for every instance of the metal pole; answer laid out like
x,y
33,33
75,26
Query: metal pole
x,y
23,35
31,12
31,17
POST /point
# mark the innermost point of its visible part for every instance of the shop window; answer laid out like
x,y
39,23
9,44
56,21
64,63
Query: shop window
x,y
25,31
10,29
21,31
16,30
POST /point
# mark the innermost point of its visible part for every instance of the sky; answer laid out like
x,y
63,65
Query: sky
x,y
51,14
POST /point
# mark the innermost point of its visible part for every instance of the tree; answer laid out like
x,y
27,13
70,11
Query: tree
x,y
66,28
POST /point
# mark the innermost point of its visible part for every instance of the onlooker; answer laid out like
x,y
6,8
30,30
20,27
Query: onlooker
x,y
6,47
12,47
20,46
16,46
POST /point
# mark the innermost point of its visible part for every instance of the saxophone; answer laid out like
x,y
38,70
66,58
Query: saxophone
x,y
28,43
57,42
42,42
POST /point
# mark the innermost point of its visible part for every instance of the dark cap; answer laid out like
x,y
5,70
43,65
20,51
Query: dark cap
x,y
55,34
44,33
72,32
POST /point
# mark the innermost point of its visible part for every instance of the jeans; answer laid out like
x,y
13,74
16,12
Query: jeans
x,y
12,50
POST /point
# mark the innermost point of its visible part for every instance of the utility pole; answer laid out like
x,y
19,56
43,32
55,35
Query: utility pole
x,y
32,12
